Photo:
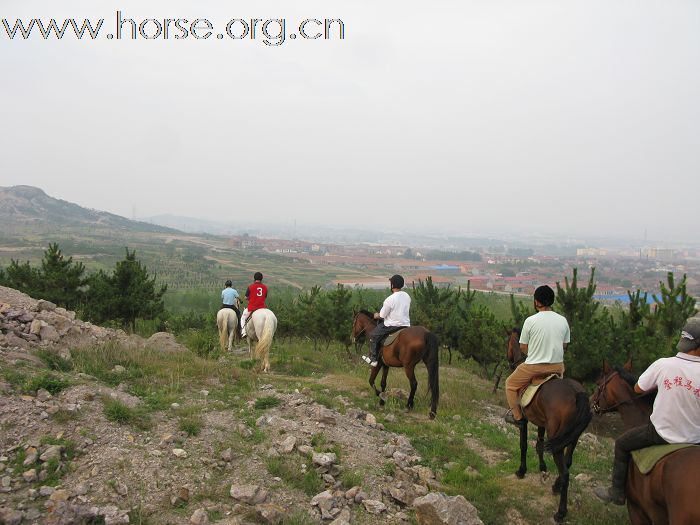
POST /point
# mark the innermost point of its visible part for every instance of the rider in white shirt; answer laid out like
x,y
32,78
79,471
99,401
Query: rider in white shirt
x,y
394,315
675,417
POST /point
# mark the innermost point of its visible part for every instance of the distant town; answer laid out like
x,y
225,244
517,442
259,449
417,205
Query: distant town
x,y
494,269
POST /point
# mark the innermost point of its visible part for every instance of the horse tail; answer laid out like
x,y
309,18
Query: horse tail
x,y
222,325
431,360
265,338
582,417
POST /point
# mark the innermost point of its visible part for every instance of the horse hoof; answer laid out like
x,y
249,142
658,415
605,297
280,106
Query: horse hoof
x,y
520,474
432,415
381,402
559,517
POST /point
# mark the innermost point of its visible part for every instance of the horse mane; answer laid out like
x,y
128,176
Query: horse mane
x,y
367,313
628,376
517,330
631,379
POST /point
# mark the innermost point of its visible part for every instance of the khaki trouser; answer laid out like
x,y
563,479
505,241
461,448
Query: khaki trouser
x,y
521,377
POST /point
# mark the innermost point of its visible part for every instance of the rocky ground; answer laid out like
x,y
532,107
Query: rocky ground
x,y
64,458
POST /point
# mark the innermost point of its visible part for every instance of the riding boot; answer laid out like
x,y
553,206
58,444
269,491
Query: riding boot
x,y
615,494
373,353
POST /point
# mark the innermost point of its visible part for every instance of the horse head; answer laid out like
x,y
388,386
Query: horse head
x,y
515,356
613,388
362,323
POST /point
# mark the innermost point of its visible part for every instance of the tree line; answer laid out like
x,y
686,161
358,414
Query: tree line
x,y
125,294
465,326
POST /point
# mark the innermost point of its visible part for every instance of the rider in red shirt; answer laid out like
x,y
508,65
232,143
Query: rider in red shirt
x,y
256,294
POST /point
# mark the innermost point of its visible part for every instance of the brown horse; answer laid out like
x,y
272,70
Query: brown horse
x,y
668,494
560,408
515,355
412,345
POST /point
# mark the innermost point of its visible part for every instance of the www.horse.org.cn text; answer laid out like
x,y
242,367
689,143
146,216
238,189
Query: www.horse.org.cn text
x,y
270,31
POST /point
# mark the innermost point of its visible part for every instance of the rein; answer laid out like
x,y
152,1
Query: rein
x,y
601,392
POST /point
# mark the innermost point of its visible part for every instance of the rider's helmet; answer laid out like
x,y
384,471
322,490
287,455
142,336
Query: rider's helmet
x,y
396,281
690,336
228,283
258,276
544,295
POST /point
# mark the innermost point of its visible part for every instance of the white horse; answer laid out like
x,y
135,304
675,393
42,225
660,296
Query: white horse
x,y
226,322
261,327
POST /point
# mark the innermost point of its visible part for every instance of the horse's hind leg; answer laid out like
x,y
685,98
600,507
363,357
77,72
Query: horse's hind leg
x,y
539,447
385,372
411,375
561,486
520,473
569,454
372,378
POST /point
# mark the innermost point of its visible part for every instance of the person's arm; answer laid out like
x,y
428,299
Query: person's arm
x,y
247,293
565,345
639,390
523,348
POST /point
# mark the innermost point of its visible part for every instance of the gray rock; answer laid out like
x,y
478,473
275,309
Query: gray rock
x,y
49,333
374,506
250,494
323,415
227,455
10,517
343,518
43,305
200,517
53,452
324,460
270,513
29,476
438,509
287,446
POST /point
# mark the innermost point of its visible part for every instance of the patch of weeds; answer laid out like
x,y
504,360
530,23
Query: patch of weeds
x,y
351,478
324,399
263,403
215,515
63,416
137,516
247,364
16,378
69,450
319,440
53,360
118,412
50,382
192,424
290,471
389,468
298,518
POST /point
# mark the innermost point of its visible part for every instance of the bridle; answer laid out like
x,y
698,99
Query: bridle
x,y
364,328
601,391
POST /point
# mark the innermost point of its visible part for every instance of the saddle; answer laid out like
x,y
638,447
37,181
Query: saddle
x,y
527,394
391,337
647,458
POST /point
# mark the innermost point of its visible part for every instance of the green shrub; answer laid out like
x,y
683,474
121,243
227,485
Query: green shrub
x,y
267,402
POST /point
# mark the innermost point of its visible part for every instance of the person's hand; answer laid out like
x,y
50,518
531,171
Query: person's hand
x,y
376,315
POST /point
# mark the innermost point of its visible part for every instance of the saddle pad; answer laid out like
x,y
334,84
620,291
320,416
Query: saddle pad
x,y
529,392
392,337
646,458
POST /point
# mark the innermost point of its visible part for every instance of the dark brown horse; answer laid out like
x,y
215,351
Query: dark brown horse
x,y
413,344
668,494
560,408
515,355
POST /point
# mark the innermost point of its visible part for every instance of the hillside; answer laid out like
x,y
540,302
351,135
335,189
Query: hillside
x,y
101,427
33,210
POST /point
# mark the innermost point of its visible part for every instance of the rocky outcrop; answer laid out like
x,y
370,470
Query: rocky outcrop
x,y
27,323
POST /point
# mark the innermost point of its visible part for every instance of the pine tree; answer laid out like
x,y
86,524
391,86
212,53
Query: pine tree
x,y
128,294
674,307
61,278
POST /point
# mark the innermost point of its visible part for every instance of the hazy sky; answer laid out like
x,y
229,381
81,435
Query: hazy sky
x,y
569,117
